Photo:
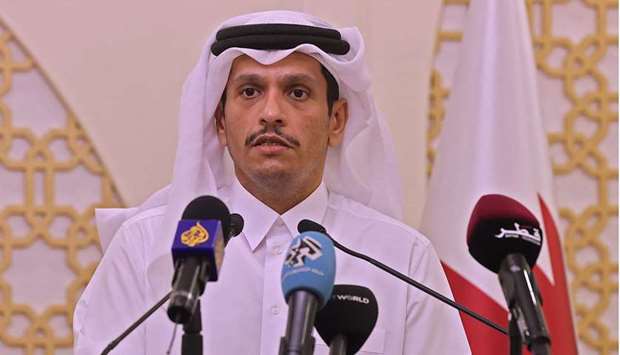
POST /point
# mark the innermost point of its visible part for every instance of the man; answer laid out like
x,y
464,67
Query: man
x,y
290,103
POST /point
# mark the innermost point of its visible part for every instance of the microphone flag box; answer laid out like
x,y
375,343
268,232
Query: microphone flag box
x,y
200,238
500,225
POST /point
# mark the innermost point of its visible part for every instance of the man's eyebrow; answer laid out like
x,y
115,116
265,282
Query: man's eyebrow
x,y
285,80
247,78
297,78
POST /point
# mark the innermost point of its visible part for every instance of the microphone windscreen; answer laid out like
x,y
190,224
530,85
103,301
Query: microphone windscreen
x,y
306,225
236,224
310,265
352,311
499,226
208,207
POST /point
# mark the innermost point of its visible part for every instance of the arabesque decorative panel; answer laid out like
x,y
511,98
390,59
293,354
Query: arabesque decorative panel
x,y
51,180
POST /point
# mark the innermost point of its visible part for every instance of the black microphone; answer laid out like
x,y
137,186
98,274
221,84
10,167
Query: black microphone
x,y
505,237
346,321
308,225
236,226
235,229
197,253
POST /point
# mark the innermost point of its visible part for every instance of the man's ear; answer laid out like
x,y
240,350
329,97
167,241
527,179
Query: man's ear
x,y
338,122
220,124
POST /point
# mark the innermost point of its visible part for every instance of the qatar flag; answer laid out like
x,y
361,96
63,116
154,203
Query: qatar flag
x,y
493,142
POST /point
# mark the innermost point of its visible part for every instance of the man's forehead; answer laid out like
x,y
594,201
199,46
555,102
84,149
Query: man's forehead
x,y
295,63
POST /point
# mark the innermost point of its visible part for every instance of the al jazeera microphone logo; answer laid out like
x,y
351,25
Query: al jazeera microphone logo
x,y
196,235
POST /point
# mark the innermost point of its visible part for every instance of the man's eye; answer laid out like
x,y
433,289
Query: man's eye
x,y
299,94
249,92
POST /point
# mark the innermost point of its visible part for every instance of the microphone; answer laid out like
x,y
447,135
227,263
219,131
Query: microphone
x,y
307,281
197,253
506,238
347,319
236,226
308,225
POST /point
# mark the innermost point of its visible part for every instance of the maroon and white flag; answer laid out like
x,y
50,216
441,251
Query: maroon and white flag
x,y
493,142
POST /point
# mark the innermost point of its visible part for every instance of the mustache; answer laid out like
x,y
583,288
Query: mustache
x,y
277,130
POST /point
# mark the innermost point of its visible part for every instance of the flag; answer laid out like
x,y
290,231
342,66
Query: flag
x,y
493,142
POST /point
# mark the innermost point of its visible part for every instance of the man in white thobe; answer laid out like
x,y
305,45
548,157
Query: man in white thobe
x,y
282,128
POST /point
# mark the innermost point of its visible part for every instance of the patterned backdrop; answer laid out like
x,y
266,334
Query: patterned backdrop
x,y
47,232
51,180
576,48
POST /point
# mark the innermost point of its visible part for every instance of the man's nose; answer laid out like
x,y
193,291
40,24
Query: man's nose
x,y
272,110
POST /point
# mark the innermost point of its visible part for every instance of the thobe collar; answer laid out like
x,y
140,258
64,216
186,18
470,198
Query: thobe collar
x,y
259,218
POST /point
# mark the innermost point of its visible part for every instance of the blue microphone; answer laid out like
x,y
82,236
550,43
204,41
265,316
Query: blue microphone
x,y
307,278
197,253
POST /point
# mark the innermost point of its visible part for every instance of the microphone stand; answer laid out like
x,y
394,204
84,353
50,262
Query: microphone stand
x,y
298,339
311,225
192,338
418,285
527,322
515,336
131,328
338,345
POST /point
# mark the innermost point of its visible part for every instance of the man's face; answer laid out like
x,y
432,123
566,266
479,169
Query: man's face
x,y
276,123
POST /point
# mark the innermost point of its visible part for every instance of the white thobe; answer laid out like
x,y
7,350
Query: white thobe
x,y
244,312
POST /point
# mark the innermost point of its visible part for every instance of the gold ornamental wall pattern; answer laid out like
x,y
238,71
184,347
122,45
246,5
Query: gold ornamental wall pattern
x,y
51,180
576,48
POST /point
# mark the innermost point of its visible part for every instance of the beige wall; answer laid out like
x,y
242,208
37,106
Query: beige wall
x,y
120,66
